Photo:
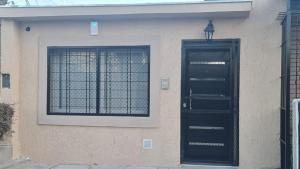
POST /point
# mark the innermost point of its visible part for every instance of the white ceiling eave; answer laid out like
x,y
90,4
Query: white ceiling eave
x,y
234,8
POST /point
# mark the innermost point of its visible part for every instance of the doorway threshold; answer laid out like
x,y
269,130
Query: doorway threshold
x,y
204,166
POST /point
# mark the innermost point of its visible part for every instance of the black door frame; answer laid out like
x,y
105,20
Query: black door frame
x,y
234,45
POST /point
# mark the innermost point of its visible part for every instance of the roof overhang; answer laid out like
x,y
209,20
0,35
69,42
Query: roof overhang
x,y
211,9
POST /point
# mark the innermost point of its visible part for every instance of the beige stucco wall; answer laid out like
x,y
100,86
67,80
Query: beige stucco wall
x,y
260,36
10,63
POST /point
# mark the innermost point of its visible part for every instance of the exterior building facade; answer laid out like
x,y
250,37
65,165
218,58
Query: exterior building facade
x,y
141,85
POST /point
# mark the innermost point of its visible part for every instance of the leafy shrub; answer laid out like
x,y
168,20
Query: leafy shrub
x,y
6,114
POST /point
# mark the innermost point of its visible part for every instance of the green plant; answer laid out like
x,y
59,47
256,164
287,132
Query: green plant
x,y
6,114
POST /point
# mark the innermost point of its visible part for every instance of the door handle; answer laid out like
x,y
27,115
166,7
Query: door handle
x,y
184,105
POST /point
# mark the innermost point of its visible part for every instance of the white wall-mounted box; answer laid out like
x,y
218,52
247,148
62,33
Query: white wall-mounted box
x,y
147,144
94,28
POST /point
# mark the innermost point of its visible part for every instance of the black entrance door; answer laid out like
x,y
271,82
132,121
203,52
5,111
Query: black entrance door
x,y
209,110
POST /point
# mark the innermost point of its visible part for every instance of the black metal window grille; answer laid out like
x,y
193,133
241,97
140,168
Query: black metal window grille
x,y
294,4
290,81
111,81
290,77
285,101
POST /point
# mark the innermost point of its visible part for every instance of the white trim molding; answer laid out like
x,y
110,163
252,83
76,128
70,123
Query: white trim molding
x,y
227,8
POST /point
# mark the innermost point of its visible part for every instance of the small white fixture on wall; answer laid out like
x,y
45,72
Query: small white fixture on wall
x,y
147,144
164,83
94,28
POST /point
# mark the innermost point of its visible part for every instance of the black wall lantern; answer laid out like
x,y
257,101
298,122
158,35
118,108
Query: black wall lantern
x,y
209,31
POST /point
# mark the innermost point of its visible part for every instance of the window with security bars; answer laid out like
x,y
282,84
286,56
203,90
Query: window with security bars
x,y
112,81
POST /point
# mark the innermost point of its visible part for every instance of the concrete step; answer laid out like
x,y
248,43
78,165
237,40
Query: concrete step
x,y
130,167
27,164
187,166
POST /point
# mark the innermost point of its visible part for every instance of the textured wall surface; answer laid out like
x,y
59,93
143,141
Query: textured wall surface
x,y
10,59
260,36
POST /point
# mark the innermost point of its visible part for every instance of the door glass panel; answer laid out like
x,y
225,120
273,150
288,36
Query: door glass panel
x,y
209,104
208,87
208,72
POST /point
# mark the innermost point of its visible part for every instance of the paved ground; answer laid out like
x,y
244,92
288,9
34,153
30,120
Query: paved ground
x,y
27,164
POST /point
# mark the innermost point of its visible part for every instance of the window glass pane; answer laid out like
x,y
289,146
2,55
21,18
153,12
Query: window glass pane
x,y
72,81
117,75
99,81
